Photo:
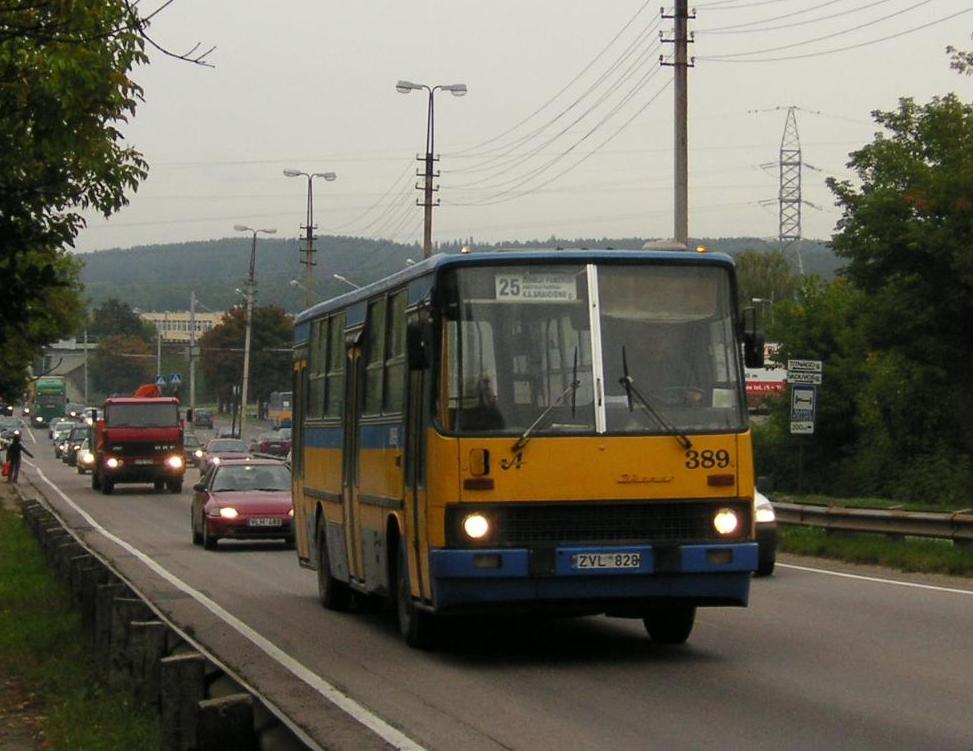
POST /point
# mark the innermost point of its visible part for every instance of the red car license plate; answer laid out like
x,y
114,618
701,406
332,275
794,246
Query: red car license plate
x,y
264,522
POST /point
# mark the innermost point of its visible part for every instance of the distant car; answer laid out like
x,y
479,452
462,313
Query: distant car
x,y
243,499
75,411
766,534
277,443
203,418
193,448
9,425
227,433
70,448
221,449
86,458
54,425
61,433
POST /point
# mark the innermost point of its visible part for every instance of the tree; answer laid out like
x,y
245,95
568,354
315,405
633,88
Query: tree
x,y
221,353
765,276
121,364
907,233
960,60
65,89
116,318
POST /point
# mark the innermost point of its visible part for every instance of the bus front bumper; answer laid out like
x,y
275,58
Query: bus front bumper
x,y
592,579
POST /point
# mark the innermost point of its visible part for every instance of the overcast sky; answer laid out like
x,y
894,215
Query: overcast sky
x,y
566,130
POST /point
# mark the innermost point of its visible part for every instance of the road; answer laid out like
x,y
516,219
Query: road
x,y
825,657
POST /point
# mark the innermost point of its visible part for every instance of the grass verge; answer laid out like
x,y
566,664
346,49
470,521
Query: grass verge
x,y
47,661
910,554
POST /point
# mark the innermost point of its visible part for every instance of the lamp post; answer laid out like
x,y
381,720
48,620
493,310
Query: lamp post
x,y
249,295
350,283
309,226
456,89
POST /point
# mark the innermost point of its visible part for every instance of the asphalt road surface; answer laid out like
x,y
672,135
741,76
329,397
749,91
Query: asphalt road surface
x,y
826,656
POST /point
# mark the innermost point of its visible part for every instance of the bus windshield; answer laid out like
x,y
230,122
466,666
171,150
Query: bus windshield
x,y
582,348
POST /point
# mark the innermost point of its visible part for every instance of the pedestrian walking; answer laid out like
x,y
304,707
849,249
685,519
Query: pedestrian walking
x,y
14,450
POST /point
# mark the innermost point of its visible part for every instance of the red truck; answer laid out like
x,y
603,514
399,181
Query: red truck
x,y
139,439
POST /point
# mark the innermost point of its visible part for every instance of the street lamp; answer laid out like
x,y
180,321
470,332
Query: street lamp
x,y
456,89
350,283
251,291
309,226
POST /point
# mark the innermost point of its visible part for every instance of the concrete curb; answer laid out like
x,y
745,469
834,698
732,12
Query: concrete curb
x,y
201,705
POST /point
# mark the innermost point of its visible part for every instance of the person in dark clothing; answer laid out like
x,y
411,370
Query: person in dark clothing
x,y
14,450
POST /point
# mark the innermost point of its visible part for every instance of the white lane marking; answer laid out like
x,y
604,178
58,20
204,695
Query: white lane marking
x,y
370,720
877,579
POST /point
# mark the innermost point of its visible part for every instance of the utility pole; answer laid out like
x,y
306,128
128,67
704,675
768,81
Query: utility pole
x,y
86,366
681,62
192,351
790,187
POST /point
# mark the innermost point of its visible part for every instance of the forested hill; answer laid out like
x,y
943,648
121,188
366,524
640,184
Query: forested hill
x,y
161,277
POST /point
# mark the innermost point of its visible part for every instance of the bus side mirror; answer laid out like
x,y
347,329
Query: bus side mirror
x,y
416,336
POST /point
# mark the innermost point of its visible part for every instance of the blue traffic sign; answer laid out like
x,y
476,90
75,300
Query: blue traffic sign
x,y
175,379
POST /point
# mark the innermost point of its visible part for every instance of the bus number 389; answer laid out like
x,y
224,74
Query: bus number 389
x,y
707,459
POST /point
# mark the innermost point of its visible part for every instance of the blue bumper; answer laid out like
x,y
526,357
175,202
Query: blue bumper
x,y
709,574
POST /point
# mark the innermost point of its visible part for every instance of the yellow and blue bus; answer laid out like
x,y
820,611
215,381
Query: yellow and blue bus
x,y
280,409
542,431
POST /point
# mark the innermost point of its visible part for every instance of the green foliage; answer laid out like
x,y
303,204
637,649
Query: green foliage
x,y
45,652
121,364
894,409
64,90
221,353
768,277
116,318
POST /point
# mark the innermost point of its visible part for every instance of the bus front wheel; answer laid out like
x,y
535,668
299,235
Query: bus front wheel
x,y
671,625
417,627
334,594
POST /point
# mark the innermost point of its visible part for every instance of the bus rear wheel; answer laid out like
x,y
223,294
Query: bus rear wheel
x,y
334,594
671,625
418,628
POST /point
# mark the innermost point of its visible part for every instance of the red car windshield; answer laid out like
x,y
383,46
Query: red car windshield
x,y
252,477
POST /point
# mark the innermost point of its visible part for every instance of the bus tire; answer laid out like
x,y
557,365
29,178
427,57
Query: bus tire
x,y
671,624
417,627
334,594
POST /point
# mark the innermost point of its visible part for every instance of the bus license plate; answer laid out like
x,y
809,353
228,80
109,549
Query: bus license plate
x,y
264,522
606,560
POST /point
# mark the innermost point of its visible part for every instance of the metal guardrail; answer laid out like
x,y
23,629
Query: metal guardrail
x,y
956,526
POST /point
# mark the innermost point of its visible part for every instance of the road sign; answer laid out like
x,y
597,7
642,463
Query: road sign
x,y
803,402
808,366
803,377
160,381
175,379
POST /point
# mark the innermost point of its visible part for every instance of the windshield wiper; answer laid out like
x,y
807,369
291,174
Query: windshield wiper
x,y
571,389
631,389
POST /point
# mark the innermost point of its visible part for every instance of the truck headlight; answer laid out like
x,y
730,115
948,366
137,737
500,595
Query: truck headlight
x,y
112,463
175,462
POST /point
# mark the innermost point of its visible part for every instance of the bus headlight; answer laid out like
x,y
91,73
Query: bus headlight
x,y
476,526
175,462
38,419
228,512
112,463
726,522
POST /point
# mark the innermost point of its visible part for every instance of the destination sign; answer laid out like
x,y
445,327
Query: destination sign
x,y
535,288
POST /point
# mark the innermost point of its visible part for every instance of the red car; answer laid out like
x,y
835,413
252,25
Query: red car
x,y
221,449
277,443
247,499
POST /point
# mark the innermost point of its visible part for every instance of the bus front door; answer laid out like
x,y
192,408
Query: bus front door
x,y
354,383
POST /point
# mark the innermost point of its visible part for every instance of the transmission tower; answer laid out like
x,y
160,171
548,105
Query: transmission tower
x,y
790,188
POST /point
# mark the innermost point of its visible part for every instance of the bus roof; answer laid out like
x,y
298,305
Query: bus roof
x,y
428,266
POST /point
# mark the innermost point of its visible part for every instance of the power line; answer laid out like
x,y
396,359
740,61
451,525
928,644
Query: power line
x,y
751,28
